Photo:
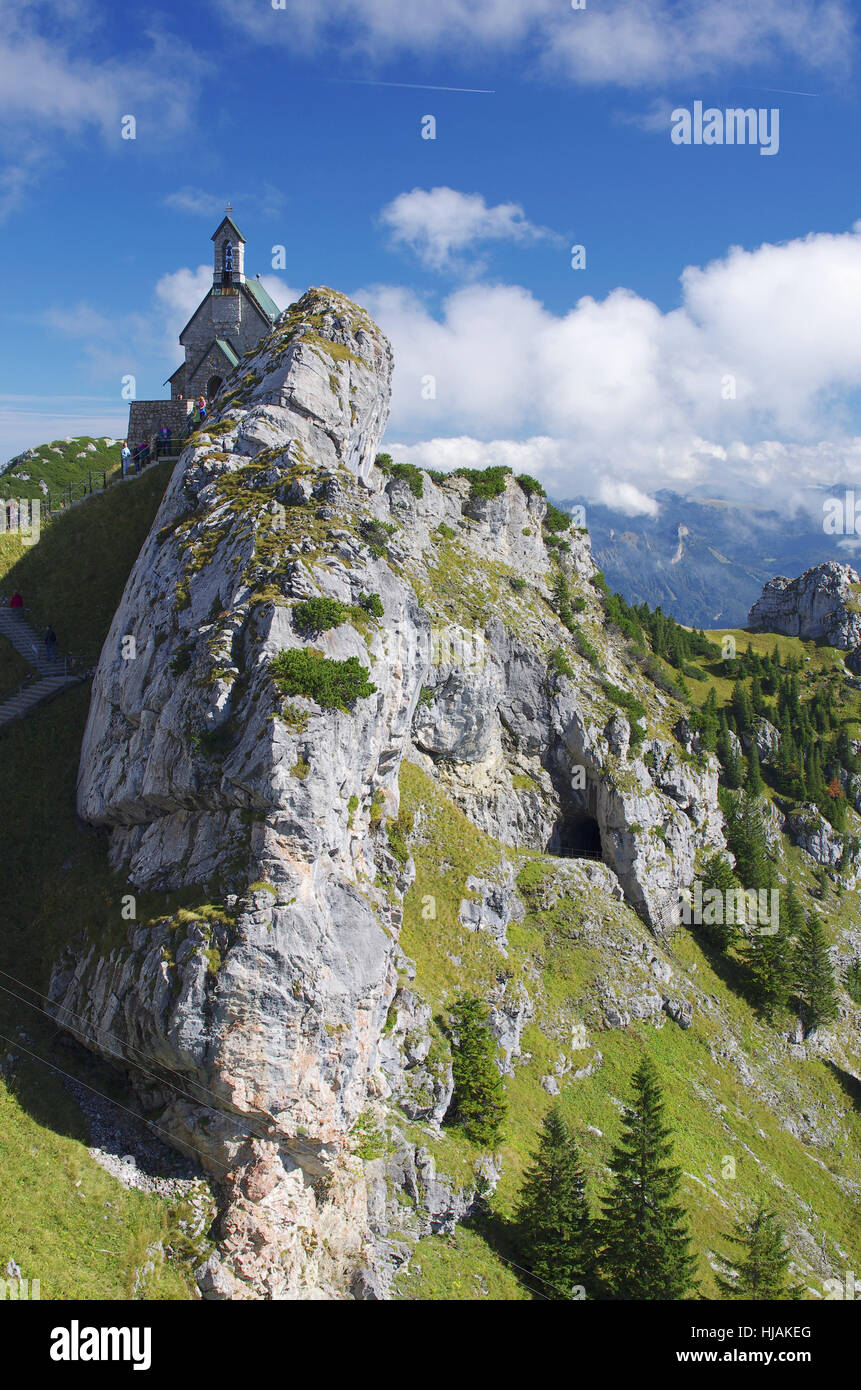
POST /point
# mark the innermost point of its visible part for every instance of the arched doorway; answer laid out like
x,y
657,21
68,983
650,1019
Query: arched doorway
x,y
213,386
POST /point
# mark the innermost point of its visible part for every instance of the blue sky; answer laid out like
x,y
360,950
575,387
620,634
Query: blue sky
x,y
712,340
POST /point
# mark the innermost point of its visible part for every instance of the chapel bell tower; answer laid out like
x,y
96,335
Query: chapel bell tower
x,y
228,269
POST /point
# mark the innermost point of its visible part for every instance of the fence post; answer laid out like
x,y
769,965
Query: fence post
x,y
70,494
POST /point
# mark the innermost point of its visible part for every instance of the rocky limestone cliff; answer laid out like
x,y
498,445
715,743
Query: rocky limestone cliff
x,y
265,990
821,604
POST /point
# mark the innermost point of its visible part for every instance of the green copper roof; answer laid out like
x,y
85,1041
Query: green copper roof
x,y
228,351
263,300
230,223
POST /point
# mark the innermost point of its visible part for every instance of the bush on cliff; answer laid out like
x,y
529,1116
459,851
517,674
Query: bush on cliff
x,y
556,519
485,482
332,684
319,614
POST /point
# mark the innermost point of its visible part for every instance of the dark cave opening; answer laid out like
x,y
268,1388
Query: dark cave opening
x,y
576,836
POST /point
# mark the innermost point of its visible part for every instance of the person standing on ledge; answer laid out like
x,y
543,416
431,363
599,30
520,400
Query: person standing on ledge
x,y
125,456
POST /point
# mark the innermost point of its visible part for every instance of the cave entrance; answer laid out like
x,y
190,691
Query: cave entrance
x,y
213,386
576,836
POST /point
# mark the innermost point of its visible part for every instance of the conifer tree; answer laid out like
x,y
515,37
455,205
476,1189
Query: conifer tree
x,y
768,957
794,700
835,804
792,915
814,976
753,781
478,1103
816,786
644,1230
852,979
742,706
729,759
761,1262
717,873
745,832
787,756
556,1230
708,721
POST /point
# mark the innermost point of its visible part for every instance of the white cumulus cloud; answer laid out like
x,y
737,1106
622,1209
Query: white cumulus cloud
x,y
439,224
618,42
751,381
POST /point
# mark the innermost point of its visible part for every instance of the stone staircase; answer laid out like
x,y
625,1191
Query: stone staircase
x,y
33,694
51,675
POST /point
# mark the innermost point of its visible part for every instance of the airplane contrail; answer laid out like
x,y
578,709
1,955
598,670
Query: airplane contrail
x,y
415,86
782,90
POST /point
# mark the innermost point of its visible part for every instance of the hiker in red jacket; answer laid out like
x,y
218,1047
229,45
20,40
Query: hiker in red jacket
x,y
16,600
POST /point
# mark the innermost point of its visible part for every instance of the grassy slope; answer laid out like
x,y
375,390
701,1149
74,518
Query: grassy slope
x,y
74,576
13,669
57,464
795,1177
54,1200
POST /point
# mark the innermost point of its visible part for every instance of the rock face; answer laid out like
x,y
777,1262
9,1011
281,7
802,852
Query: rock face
x,y
767,740
822,604
265,989
268,1000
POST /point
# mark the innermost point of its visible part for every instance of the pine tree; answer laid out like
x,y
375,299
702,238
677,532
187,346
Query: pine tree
x,y
644,1230
479,1103
814,976
742,706
768,957
754,781
717,873
794,699
852,979
835,804
746,837
708,722
791,915
729,759
762,1271
557,1233
816,786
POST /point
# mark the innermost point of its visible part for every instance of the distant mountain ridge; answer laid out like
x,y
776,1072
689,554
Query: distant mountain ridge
x,y
705,560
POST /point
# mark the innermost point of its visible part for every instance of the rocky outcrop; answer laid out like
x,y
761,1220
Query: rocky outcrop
x,y
242,755
767,740
269,994
822,604
809,829
419,1082
530,754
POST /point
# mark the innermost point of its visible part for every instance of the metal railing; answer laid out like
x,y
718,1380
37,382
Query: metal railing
x,y
152,451
565,853
45,665
54,503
